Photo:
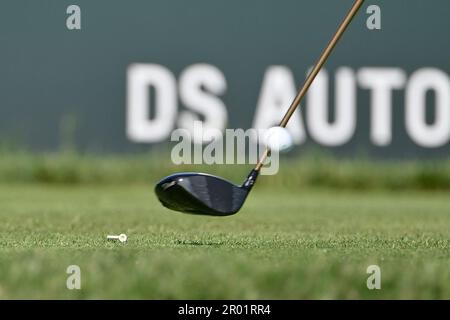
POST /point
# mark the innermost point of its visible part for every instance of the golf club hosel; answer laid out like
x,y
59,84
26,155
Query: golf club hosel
x,y
251,179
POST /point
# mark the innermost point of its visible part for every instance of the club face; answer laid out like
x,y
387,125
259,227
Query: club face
x,y
199,193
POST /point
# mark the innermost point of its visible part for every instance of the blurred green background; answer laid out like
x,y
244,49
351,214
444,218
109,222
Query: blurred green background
x,y
53,77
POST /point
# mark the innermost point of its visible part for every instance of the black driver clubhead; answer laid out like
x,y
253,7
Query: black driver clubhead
x,y
204,194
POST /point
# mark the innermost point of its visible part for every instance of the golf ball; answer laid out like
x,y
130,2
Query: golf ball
x,y
278,139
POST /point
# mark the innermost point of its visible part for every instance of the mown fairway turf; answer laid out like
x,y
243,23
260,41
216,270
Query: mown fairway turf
x,y
282,245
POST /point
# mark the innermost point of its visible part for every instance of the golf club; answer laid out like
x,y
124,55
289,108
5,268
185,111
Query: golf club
x,y
204,194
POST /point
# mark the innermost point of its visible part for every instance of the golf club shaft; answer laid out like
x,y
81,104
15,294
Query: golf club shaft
x,y
312,75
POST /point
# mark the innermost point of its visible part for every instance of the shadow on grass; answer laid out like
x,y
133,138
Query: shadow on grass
x,y
199,243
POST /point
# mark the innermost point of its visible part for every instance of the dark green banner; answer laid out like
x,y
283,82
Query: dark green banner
x,y
120,76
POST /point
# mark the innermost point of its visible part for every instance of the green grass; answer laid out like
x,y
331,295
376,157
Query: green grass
x,y
310,170
305,243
